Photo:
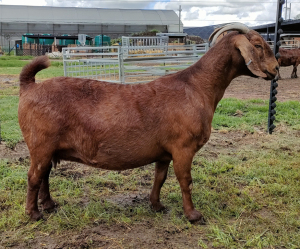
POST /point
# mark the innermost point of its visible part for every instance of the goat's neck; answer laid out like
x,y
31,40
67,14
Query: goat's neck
x,y
214,72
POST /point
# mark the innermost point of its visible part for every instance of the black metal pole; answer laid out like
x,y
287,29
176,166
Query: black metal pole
x,y
274,84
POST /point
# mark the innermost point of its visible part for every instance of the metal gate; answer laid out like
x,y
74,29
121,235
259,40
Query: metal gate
x,y
133,45
129,64
99,63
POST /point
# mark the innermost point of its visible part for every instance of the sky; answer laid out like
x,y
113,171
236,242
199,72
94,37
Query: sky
x,y
195,13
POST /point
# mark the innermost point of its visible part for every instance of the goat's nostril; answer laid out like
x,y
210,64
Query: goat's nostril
x,y
277,67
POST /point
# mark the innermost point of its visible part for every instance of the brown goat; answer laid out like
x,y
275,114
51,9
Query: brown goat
x,y
289,57
118,127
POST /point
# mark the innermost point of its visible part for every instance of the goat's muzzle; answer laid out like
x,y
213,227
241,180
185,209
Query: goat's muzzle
x,y
271,75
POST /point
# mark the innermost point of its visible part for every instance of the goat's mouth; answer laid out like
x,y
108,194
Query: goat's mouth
x,y
270,76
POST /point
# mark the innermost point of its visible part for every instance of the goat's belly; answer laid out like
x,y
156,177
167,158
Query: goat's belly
x,y
114,160
130,159
118,148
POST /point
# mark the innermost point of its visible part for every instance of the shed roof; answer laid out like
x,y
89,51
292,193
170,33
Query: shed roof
x,y
71,15
290,26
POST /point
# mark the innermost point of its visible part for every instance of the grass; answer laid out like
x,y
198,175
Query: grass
x,y
10,130
15,58
12,65
246,114
256,195
249,203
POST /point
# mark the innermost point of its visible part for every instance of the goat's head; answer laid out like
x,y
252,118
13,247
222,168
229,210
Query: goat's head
x,y
250,47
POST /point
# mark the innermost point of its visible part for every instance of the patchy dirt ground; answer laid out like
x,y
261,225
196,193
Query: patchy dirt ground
x,y
20,152
146,235
250,88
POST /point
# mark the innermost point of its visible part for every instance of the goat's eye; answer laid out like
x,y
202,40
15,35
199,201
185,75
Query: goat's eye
x,y
258,46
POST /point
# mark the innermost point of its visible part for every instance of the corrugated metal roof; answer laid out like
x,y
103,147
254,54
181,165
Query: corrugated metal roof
x,y
289,26
71,15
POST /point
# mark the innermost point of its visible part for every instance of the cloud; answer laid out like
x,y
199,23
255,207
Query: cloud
x,y
21,2
117,4
192,15
194,12
225,11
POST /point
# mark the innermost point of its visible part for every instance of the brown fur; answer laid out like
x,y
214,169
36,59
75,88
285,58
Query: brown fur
x,y
119,127
289,57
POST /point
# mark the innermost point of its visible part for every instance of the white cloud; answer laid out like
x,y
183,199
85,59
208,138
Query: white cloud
x,y
21,2
194,12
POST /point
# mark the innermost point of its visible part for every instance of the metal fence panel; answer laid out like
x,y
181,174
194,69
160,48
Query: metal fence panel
x,y
147,63
133,45
126,65
287,44
99,63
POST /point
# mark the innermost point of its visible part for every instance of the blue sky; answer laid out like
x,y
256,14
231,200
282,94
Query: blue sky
x,y
195,13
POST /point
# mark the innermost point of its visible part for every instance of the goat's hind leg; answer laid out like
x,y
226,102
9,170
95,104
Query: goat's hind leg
x,y
39,170
279,76
161,171
294,73
44,194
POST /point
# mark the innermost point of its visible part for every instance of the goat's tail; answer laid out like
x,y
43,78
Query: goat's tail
x,y
27,76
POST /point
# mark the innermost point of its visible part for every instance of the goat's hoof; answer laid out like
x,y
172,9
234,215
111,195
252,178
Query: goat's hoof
x,y
49,206
36,216
158,207
196,217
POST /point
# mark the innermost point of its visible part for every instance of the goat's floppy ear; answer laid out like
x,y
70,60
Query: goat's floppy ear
x,y
250,56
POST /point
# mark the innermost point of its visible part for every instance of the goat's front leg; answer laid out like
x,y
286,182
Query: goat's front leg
x,y
182,167
161,171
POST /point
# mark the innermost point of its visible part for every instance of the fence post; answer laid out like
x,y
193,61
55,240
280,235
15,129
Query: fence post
x,y
64,52
206,47
195,49
274,84
121,64
43,49
125,43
